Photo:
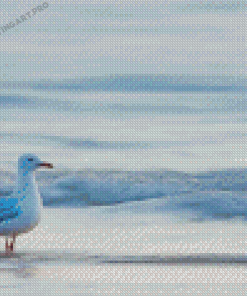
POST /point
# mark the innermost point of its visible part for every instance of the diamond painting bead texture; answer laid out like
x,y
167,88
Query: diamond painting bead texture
x,y
123,147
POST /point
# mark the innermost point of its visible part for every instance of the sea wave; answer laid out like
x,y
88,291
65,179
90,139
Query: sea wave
x,y
208,195
133,83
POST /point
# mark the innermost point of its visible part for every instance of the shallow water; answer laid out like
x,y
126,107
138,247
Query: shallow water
x,y
95,251
80,274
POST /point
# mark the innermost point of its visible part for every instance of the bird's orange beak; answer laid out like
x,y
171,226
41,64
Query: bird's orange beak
x,y
46,164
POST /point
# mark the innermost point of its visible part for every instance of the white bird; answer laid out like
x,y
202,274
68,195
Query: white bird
x,y
20,212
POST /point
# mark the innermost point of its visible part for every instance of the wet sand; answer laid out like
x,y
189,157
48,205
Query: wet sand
x,y
89,252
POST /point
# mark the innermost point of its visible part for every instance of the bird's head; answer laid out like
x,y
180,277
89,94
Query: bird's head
x,y
31,162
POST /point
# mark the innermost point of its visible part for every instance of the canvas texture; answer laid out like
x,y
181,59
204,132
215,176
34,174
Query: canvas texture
x,y
123,147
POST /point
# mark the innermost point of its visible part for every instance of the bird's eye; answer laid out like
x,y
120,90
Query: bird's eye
x,y
30,159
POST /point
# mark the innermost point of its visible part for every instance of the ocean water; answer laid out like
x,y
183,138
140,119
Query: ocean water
x,y
125,130
183,149
148,190
144,183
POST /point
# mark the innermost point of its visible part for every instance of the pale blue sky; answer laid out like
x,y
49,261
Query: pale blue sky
x,y
72,39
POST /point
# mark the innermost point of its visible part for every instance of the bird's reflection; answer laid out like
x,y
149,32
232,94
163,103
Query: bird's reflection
x,y
31,265
19,267
26,272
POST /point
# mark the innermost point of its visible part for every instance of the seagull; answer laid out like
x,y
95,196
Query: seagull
x,y
21,212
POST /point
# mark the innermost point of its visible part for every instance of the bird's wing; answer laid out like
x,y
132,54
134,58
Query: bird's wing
x,y
8,209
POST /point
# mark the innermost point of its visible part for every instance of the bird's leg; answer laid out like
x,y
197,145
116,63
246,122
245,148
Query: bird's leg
x,y
7,247
12,243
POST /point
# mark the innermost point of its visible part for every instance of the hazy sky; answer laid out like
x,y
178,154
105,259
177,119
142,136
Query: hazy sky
x,y
71,39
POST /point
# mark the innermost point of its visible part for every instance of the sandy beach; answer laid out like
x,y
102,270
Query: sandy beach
x,y
90,251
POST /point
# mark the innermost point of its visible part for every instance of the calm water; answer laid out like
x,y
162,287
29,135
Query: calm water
x,y
182,131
